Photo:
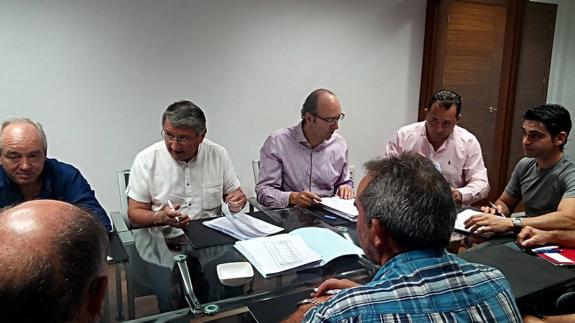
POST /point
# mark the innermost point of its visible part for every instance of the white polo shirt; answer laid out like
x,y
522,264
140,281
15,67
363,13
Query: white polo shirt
x,y
198,185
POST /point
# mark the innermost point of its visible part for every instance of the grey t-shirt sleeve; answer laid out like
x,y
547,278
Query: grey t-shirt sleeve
x,y
569,182
513,187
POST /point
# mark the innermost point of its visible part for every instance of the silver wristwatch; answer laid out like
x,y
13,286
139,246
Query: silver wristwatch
x,y
517,223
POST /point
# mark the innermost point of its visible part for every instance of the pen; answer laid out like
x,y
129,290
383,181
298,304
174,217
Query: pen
x,y
545,249
550,251
329,217
496,209
307,301
172,208
329,292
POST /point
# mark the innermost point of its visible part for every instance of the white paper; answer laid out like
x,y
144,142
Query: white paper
x,y
328,244
241,226
276,254
341,207
559,258
462,217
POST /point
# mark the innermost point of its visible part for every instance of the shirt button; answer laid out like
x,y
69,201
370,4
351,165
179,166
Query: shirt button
x,y
188,184
189,204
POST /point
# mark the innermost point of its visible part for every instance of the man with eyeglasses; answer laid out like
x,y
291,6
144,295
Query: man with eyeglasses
x,y
454,151
183,177
27,174
301,164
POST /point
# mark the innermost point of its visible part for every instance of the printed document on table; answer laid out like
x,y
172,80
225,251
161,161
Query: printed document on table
x,y
344,208
241,226
328,244
276,254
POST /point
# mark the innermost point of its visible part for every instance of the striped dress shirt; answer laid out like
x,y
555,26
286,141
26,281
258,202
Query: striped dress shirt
x,y
424,286
289,164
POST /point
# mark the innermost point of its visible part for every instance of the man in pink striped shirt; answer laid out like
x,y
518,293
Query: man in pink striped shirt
x,y
301,164
454,151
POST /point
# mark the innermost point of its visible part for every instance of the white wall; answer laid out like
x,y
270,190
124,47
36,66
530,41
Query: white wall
x,y
98,74
562,70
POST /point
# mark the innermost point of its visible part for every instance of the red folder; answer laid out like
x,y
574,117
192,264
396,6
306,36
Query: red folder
x,y
557,257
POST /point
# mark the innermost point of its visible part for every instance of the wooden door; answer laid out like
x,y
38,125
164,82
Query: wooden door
x,y
469,48
533,71
470,64
472,68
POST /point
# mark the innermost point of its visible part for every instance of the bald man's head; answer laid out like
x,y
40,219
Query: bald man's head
x,y
52,262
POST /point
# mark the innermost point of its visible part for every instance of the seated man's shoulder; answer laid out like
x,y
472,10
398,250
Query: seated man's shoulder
x,y
282,133
213,148
412,127
338,138
526,163
151,150
568,164
463,135
59,168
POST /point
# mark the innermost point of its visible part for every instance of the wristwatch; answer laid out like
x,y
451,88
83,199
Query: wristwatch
x,y
517,224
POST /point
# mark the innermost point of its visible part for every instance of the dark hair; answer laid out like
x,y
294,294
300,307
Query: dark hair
x,y
185,114
310,104
446,98
411,199
50,285
554,116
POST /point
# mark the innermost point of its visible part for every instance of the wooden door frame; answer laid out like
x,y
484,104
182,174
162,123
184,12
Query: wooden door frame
x,y
507,85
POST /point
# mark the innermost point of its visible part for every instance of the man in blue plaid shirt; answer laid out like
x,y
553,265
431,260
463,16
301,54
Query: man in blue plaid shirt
x,y
406,216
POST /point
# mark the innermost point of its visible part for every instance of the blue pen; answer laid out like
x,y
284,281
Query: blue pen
x,y
550,251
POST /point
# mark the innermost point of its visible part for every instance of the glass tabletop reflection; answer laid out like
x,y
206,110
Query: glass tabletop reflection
x,y
154,272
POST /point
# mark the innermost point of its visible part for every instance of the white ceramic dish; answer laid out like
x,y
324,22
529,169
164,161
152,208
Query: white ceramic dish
x,y
235,273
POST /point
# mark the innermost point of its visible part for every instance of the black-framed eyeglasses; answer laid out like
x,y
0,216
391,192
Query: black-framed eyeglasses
x,y
180,140
331,120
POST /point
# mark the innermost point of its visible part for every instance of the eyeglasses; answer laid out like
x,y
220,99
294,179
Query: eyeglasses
x,y
180,140
331,121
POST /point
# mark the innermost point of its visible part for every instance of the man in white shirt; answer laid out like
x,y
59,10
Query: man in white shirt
x,y
184,177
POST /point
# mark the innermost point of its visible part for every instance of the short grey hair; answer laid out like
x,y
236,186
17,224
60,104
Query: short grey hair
x,y
310,104
185,114
412,200
37,125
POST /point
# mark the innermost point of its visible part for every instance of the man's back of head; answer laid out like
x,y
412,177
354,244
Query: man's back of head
x,y
52,263
411,199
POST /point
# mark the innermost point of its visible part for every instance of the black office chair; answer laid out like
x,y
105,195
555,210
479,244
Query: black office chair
x,y
565,304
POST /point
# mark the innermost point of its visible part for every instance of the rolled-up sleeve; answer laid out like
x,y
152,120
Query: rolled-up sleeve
x,y
268,189
345,177
138,185
393,147
477,186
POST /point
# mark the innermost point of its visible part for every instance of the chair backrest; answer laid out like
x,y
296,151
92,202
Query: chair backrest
x,y
256,169
123,179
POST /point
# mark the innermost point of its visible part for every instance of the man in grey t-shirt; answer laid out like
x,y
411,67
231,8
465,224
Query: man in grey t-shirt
x,y
544,180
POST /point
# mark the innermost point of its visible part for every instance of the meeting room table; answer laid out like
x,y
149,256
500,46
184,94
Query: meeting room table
x,y
153,271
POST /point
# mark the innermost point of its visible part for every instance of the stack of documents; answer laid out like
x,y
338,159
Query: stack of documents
x,y
340,207
241,226
301,248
